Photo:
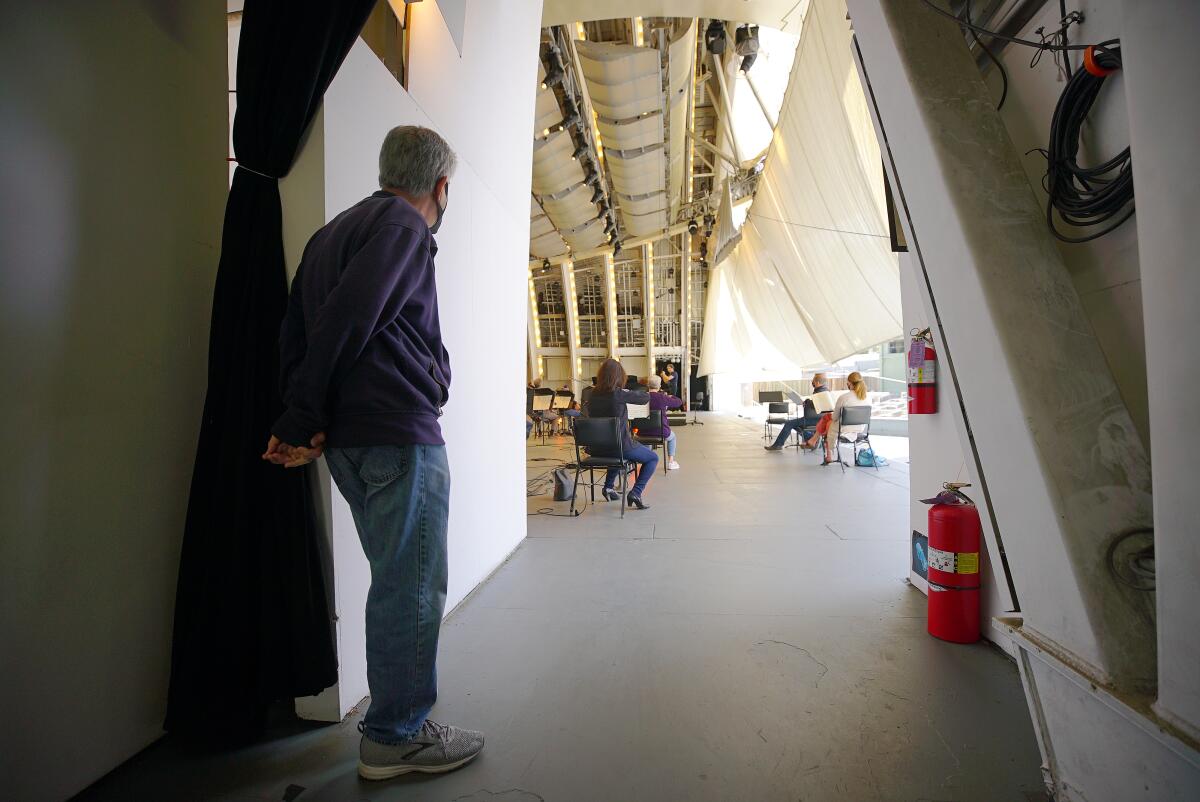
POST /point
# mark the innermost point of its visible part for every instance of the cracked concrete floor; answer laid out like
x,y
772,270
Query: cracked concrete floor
x,y
750,637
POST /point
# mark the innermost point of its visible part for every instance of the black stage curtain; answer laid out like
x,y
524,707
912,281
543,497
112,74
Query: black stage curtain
x,y
252,619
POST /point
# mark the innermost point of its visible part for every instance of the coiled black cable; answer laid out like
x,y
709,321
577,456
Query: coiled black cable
x,y
1085,196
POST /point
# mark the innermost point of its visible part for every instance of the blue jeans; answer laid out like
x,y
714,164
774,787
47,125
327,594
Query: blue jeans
x,y
400,498
642,455
671,445
791,426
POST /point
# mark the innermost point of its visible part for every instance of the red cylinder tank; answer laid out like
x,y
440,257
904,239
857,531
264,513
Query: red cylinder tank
x,y
954,534
922,379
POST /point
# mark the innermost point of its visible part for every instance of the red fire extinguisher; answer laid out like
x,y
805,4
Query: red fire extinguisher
x,y
953,565
922,374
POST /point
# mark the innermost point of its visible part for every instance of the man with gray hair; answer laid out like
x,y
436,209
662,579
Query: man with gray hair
x,y
816,405
364,377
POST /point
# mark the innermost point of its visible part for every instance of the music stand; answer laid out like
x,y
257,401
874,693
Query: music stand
x,y
562,401
541,403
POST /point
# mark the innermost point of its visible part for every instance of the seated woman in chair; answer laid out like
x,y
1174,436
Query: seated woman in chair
x,y
857,397
608,401
662,401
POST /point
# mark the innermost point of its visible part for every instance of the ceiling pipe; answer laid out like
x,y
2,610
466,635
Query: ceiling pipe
x,y
719,68
713,149
754,89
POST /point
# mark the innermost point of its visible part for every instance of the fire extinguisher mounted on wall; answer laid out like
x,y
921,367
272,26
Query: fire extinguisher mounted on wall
x,y
922,373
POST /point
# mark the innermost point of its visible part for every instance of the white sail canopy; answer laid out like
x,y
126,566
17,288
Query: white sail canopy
x,y
814,278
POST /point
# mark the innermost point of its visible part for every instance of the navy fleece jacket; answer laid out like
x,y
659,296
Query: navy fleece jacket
x,y
361,354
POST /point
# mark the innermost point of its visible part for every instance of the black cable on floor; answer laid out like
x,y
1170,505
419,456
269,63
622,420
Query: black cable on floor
x,y
531,488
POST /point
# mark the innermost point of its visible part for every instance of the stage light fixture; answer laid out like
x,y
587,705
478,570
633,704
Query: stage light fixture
x,y
693,227
580,152
746,45
554,76
714,37
598,195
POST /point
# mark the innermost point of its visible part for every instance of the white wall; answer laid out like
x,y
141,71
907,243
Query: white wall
x,y
1136,328
1067,469
1165,117
482,103
112,188
937,451
1105,271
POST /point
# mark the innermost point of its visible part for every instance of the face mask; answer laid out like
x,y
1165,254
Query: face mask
x,y
433,229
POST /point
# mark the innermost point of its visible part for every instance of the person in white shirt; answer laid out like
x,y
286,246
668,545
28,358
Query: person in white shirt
x,y
857,397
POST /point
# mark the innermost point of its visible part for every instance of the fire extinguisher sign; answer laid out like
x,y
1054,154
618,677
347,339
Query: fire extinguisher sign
x,y
916,353
920,371
954,562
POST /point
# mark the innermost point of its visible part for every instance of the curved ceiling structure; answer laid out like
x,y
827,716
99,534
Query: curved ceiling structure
x,y
785,15
626,89
810,277
610,133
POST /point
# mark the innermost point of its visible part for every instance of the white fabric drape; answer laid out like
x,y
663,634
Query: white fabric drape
x,y
813,279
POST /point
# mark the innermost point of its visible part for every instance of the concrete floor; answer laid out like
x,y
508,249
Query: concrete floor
x,y
750,637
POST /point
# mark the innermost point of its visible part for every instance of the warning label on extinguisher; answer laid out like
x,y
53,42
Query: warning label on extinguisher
x,y
916,354
922,375
954,562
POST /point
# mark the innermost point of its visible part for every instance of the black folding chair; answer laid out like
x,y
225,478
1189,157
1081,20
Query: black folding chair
x,y
777,415
600,436
809,418
653,422
854,416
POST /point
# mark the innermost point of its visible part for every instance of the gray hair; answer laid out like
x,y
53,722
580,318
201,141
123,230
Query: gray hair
x,y
654,382
413,158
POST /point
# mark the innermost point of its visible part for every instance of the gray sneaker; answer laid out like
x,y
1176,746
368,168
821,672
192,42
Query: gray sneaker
x,y
437,748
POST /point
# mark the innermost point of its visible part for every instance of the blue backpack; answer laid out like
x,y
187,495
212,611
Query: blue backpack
x,y
867,459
